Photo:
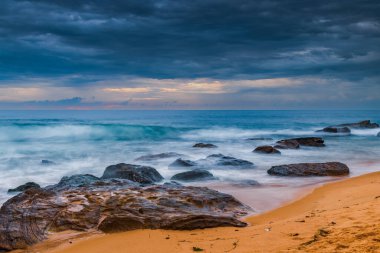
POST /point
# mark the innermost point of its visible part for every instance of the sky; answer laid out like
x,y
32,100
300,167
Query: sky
x,y
181,54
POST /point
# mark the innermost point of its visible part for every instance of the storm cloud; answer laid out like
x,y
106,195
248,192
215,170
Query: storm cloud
x,y
95,42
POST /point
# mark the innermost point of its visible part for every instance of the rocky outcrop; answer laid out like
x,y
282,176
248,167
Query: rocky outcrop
x,y
336,130
266,150
112,205
136,173
180,163
194,175
204,145
361,124
297,142
310,169
157,156
24,187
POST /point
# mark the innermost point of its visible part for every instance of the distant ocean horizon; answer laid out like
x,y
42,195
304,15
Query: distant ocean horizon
x,y
81,142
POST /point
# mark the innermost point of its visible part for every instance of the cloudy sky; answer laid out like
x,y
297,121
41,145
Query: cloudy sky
x,y
181,54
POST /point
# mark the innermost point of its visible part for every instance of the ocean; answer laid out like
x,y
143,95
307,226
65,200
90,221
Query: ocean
x,y
89,141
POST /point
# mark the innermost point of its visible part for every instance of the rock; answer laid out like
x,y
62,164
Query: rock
x,y
47,162
266,150
157,156
222,160
361,124
259,139
287,144
335,130
24,187
204,145
194,175
297,142
378,134
310,169
79,180
135,173
244,183
111,206
182,163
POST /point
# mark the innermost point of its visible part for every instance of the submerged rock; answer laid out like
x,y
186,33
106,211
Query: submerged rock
x,y
204,145
222,160
113,206
378,134
47,162
24,187
266,150
194,175
244,183
259,139
136,173
310,169
297,142
335,130
157,156
182,163
287,144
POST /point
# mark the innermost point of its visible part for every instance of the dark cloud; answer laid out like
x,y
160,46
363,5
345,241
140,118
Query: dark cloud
x,y
222,39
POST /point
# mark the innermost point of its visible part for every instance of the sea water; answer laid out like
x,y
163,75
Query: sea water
x,y
89,141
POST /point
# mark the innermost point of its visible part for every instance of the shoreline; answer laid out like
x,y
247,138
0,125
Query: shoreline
x,y
341,215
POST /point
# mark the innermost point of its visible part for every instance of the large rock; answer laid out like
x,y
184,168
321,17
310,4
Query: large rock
x,y
194,175
24,187
297,142
310,169
113,205
136,173
157,156
204,145
335,130
266,150
361,124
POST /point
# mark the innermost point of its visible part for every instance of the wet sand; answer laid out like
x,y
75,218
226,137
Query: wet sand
x,y
341,216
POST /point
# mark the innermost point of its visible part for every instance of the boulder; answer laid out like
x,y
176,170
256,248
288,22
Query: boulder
x,y
204,145
361,124
266,150
335,130
194,175
287,144
135,173
110,206
310,169
182,163
219,160
24,187
157,156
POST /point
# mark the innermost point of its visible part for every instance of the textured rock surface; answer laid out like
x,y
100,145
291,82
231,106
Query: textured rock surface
x,y
310,169
194,175
24,187
157,156
204,145
266,150
136,173
112,205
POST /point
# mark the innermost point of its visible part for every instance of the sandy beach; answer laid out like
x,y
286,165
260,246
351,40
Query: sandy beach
x,y
341,216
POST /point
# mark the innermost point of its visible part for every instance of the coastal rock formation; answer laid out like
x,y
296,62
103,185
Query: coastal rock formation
x,y
157,156
335,130
136,173
310,169
266,150
25,187
194,175
182,163
112,205
297,142
361,124
204,145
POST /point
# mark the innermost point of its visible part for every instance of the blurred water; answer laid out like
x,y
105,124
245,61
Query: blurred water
x,y
88,141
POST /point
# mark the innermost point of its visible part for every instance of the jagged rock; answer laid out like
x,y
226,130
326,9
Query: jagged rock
x,y
222,160
335,130
266,150
182,163
194,175
136,173
25,187
157,156
361,124
287,144
310,169
204,145
47,162
113,205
